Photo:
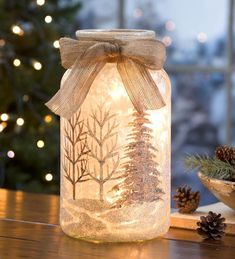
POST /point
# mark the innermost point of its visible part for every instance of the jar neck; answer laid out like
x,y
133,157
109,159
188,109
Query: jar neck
x,y
115,34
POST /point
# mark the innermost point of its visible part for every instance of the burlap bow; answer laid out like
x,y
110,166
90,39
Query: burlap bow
x,y
86,58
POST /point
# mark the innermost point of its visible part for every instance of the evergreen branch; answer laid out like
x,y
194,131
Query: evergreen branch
x,y
211,167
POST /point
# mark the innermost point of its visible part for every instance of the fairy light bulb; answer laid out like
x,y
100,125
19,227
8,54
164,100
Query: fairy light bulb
x,y
16,62
56,44
40,2
4,117
49,177
48,19
20,121
40,143
48,118
25,98
3,125
2,42
37,65
11,154
17,30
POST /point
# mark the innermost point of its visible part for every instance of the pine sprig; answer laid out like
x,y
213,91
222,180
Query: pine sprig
x,y
211,167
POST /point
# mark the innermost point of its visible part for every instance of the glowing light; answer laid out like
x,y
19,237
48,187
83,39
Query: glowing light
x,y
4,117
17,30
118,92
40,144
3,125
48,118
20,121
2,42
16,62
48,177
137,13
170,25
202,37
37,65
25,98
40,2
11,154
167,40
48,19
56,44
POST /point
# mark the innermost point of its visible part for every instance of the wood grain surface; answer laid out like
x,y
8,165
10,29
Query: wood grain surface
x,y
29,228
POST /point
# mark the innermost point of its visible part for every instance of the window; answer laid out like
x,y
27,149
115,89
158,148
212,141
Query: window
x,y
200,47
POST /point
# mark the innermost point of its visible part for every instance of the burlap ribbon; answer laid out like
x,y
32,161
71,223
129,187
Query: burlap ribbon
x,y
86,58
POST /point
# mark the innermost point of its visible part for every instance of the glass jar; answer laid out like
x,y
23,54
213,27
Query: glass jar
x,y
115,161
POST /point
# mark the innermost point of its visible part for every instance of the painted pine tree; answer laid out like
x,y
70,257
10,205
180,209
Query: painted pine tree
x,y
141,177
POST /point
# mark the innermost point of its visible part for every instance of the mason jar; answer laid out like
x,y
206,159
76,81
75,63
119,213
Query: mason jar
x,y
115,160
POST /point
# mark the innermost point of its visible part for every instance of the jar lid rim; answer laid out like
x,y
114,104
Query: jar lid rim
x,y
115,34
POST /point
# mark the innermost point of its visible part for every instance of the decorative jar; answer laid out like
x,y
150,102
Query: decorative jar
x,y
115,155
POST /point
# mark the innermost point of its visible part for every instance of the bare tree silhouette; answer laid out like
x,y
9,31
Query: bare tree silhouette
x,y
75,152
101,128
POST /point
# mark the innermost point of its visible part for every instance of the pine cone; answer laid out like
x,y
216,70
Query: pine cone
x,y
225,154
186,200
212,226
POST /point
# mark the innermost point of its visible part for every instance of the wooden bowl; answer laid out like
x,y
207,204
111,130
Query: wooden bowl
x,y
223,190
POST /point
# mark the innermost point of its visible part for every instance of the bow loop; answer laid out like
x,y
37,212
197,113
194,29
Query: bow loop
x,y
86,58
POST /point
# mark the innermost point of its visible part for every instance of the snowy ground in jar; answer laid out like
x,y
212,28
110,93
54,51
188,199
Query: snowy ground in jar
x,y
96,221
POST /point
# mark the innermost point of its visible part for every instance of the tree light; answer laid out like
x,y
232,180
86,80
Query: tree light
x,y
37,65
11,154
48,177
48,118
2,42
16,62
3,125
17,30
48,19
56,44
40,144
40,2
4,117
20,121
25,98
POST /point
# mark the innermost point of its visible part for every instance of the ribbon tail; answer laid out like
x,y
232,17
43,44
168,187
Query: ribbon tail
x,y
141,88
75,88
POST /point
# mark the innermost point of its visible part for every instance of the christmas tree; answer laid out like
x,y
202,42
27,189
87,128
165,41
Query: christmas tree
x,y
30,73
141,177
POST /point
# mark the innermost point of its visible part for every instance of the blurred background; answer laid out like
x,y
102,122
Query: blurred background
x,y
199,36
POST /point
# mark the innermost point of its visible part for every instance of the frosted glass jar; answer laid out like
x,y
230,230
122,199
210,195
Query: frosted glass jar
x,y
115,162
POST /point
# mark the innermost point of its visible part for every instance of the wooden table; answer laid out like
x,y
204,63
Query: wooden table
x,y
29,228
